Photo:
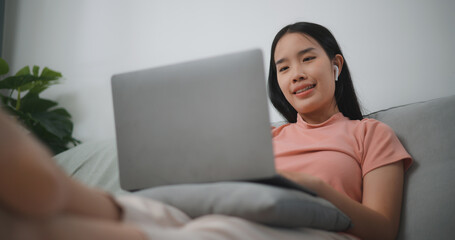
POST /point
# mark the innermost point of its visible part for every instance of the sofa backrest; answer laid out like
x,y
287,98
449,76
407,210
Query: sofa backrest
x,y
427,131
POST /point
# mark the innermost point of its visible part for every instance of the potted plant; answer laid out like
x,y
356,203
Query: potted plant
x,y
51,124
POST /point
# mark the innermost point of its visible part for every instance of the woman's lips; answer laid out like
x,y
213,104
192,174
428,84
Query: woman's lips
x,y
305,91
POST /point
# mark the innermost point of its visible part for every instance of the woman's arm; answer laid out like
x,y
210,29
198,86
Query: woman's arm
x,y
378,216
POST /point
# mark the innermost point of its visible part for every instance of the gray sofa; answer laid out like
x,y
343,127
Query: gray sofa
x,y
426,129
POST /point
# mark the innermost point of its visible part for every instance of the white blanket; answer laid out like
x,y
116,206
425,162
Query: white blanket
x,y
160,221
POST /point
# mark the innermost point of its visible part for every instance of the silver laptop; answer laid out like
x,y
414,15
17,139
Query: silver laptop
x,y
194,122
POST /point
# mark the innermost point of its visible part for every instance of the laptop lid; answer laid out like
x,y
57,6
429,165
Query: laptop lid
x,y
193,122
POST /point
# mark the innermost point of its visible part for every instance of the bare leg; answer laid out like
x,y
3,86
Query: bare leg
x,y
32,185
64,227
39,201
29,183
74,228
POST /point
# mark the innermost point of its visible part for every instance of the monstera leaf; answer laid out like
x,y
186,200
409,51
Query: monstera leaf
x,y
42,117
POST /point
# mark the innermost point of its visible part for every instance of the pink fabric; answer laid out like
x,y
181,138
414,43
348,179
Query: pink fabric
x,y
340,151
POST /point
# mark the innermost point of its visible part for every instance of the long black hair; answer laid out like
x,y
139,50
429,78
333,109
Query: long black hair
x,y
345,96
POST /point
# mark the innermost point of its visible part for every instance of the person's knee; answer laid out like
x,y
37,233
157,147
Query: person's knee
x,y
48,200
36,196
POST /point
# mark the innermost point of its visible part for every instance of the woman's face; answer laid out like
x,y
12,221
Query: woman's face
x,y
306,76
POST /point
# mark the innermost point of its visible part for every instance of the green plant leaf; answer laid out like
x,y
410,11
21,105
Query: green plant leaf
x,y
15,82
35,84
53,127
25,118
5,99
47,78
35,71
27,86
32,103
50,74
24,71
56,123
52,139
40,85
62,112
8,101
27,82
49,139
4,68
57,147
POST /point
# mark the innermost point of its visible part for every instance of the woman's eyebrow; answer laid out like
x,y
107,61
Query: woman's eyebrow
x,y
301,52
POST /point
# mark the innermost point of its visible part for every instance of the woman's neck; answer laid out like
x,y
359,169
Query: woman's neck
x,y
319,116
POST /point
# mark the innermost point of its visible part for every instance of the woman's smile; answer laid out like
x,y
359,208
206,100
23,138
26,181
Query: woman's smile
x,y
304,90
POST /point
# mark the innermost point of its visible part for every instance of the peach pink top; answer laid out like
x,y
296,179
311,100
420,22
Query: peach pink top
x,y
340,151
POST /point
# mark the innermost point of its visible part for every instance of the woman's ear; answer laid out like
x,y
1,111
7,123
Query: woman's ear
x,y
338,61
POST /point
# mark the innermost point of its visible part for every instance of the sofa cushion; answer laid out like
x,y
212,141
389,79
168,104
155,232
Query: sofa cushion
x,y
427,131
93,163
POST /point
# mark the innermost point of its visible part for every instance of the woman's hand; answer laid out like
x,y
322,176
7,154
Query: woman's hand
x,y
378,215
308,181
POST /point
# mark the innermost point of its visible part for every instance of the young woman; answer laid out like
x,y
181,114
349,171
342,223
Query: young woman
x,y
357,164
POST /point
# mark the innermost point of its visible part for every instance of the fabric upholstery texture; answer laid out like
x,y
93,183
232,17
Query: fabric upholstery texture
x,y
427,131
94,164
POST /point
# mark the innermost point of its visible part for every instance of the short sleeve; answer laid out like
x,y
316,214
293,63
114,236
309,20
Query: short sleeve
x,y
381,147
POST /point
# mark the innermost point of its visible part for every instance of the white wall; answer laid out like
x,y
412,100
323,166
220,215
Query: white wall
x,y
398,51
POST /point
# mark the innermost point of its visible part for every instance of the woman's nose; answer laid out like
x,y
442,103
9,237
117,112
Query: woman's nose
x,y
298,75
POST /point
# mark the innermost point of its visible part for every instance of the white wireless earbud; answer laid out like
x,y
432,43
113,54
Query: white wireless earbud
x,y
336,72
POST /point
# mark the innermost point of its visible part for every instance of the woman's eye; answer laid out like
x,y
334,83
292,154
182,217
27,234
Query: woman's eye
x,y
308,58
283,69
